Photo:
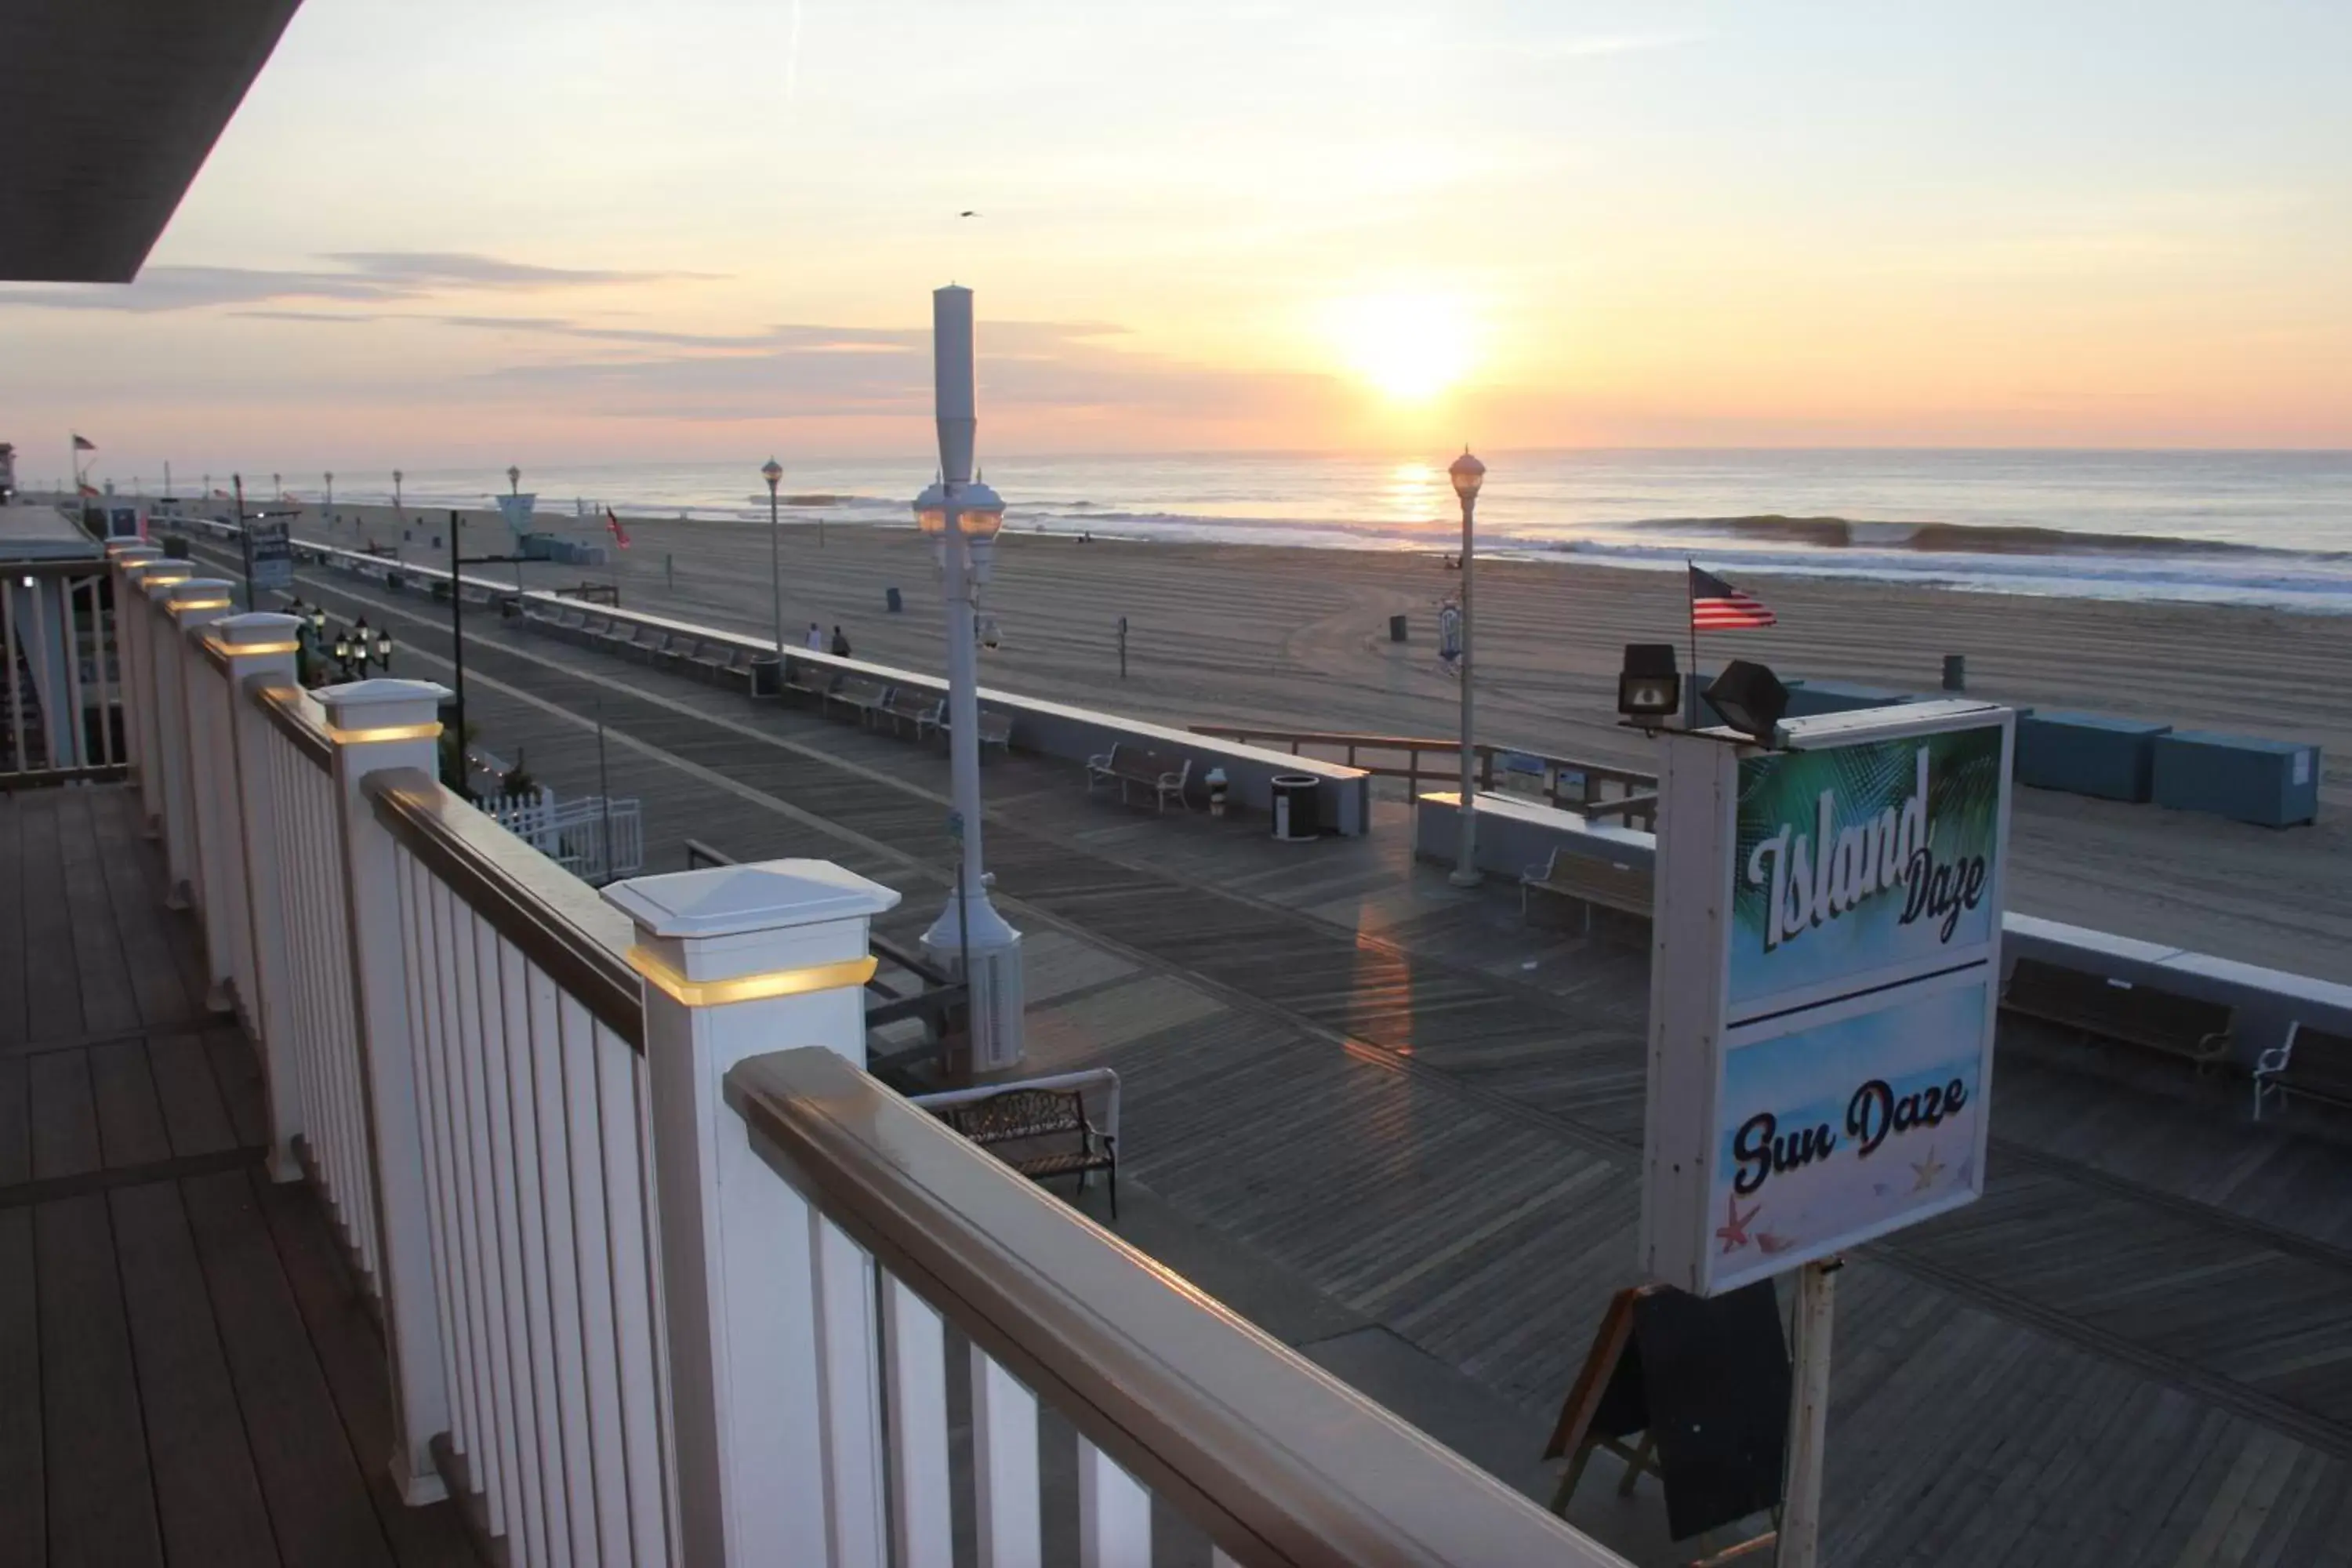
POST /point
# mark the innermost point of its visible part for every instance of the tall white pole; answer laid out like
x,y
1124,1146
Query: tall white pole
x,y
1466,853
969,927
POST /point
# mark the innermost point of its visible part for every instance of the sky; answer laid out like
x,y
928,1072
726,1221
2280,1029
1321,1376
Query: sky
x,y
443,233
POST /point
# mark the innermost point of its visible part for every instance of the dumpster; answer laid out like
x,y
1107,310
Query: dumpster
x,y
1396,628
1295,813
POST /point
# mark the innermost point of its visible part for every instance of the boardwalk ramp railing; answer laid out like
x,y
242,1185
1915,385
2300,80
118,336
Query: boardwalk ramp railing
x,y
665,1274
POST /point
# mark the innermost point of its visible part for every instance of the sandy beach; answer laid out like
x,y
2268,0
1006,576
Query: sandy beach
x,y
1298,639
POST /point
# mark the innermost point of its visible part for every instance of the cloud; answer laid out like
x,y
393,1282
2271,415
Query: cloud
x,y
340,318
368,277
809,371
805,340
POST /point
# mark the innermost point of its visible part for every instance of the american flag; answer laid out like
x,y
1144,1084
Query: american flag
x,y
1717,606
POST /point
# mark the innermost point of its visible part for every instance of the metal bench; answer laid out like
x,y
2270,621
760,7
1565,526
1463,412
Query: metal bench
x,y
995,728
862,697
810,680
1039,1117
1611,884
2314,1063
2144,1016
717,658
1129,764
913,705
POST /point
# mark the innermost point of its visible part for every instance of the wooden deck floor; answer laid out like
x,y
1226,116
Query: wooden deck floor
x,y
2137,1348
187,1373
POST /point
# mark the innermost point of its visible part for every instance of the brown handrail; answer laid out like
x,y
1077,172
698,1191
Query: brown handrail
x,y
283,705
1278,1461
547,912
1640,797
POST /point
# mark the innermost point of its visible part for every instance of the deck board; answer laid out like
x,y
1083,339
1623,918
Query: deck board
x,y
187,1373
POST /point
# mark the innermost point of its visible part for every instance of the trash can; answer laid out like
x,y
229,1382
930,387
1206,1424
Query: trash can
x,y
1295,815
891,599
767,675
1956,672
1396,628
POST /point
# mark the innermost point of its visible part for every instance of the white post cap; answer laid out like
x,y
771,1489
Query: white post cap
x,y
257,633
727,924
375,704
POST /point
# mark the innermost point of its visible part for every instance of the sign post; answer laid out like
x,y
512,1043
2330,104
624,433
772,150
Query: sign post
x,y
1824,980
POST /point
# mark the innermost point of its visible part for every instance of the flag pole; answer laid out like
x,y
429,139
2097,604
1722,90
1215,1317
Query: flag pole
x,y
1690,611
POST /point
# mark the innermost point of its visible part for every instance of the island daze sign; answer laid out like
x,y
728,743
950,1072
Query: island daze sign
x,y
1823,987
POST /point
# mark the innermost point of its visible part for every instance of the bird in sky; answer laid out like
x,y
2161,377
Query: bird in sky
x,y
967,213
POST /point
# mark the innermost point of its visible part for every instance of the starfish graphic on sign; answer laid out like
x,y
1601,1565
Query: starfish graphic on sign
x,y
1929,1170
1733,1232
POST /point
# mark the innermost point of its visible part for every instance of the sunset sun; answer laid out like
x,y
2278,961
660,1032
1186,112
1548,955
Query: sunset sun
x,y
1408,346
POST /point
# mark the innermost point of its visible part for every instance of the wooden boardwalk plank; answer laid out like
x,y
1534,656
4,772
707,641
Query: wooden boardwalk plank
x,y
15,1123
102,1503
205,1489
108,1002
130,1118
198,1120
157,984
236,1073
24,1511
52,1011
64,1115
318,1502
13,959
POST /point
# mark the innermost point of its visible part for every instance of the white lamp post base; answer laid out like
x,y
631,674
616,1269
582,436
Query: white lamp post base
x,y
997,996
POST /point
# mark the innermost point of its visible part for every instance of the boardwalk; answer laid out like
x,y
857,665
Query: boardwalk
x,y
2137,1349
187,1373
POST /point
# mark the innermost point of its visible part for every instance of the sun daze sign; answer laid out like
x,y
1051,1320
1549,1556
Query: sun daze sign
x,y
1822,987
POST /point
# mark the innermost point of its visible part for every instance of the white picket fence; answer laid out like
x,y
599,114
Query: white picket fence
x,y
594,839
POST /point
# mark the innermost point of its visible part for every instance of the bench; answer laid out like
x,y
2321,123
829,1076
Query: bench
x,y
864,697
1038,1116
995,728
808,679
2143,1015
1613,884
717,658
913,705
1134,765
2314,1063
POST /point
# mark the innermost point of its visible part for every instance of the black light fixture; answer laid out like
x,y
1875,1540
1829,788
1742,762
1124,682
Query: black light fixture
x,y
319,622
384,649
1650,687
1751,697
343,647
363,646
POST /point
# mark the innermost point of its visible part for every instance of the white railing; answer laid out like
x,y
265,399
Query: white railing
x,y
656,1288
594,839
59,672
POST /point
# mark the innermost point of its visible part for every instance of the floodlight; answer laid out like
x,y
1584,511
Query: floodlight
x,y
1650,689
1751,697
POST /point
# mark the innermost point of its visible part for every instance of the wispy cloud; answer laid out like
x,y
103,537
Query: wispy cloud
x,y
365,277
809,371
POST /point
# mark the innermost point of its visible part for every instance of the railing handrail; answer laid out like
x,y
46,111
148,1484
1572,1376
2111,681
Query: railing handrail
x,y
292,716
555,919
1278,1461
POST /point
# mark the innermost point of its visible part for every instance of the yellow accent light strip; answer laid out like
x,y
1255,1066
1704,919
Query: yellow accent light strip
x,y
849,972
236,648
424,731
176,606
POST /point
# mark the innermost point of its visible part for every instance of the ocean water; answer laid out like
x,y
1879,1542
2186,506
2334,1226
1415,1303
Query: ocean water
x,y
2259,528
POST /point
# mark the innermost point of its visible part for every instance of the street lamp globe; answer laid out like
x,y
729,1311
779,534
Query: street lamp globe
x,y
384,649
514,478
318,621
773,472
1468,473
931,511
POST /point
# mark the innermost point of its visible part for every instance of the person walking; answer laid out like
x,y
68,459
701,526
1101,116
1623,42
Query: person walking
x,y
840,644
815,638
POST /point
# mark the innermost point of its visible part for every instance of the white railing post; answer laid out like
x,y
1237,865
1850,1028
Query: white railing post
x,y
260,651
218,856
378,724
134,608
772,1345
192,600
123,555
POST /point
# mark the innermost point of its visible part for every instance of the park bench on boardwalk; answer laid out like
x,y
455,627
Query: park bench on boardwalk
x,y
995,728
1040,1132
1610,884
2136,1014
810,680
2313,1063
1134,765
912,705
864,697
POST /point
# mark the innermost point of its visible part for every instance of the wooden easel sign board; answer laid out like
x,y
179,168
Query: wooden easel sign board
x,y
1823,987
1705,1383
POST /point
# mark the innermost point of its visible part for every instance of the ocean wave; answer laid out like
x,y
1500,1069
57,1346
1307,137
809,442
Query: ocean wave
x,y
1955,537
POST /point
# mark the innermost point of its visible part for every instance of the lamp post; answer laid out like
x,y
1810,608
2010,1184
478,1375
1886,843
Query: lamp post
x,y
397,511
514,479
1468,473
962,518
773,472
